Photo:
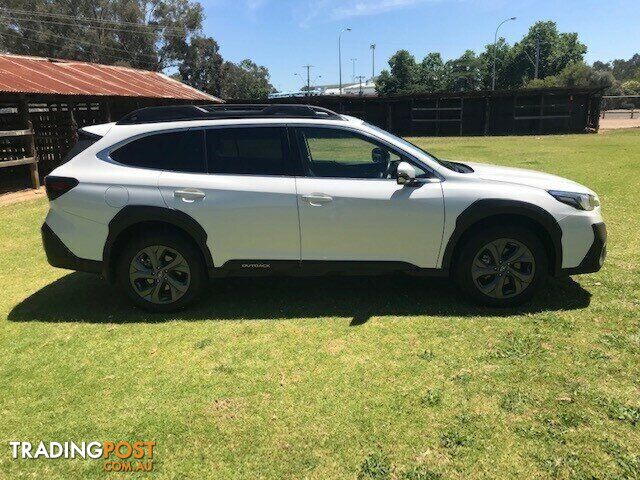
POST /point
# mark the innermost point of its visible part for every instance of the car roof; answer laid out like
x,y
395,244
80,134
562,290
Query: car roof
x,y
116,133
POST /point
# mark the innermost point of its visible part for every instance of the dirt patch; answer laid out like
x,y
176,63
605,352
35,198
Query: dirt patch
x,y
225,408
21,196
615,123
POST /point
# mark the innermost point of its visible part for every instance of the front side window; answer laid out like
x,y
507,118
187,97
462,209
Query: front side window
x,y
340,153
174,151
247,151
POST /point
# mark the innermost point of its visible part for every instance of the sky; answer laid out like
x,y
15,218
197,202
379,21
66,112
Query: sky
x,y
285,35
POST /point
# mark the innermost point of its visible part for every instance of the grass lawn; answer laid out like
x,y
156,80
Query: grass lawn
x,y
339,377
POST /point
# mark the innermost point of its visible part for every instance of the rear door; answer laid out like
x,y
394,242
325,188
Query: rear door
x,y
246,197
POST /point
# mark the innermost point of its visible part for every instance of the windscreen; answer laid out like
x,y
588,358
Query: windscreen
x,y
455,166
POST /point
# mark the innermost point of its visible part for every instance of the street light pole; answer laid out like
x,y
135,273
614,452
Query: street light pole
x,y
340,56
308,67
495,53
353,64
373,61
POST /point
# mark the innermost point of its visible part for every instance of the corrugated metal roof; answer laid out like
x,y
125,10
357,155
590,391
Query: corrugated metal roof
x,y
22,74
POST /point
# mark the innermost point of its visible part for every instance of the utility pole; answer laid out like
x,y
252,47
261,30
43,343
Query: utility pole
x,y
360,78
537,64
296,74
373,61
308,67
353,72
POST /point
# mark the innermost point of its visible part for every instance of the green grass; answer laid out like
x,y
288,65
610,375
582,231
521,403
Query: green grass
x,y
339,378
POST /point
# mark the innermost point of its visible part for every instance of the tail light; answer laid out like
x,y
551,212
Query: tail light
x,y
57,186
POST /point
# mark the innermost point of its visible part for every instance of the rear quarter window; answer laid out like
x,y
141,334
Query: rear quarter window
x,y
174,151
85,140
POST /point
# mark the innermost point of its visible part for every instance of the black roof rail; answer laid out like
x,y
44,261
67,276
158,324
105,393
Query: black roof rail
x,y
176,113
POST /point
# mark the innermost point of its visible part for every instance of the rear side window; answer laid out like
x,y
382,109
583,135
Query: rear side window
x,y
175,151
85,140
247,151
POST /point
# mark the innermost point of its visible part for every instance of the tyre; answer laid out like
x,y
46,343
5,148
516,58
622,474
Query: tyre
x,y
161,271
501,266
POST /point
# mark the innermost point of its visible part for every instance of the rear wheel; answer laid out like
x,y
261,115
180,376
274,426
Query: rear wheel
x,y
502,266
161,272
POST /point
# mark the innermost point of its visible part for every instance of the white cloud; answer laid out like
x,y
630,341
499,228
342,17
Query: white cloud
x,y
343,9
255,4
358,8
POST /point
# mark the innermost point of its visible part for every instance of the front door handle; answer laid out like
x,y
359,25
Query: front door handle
x,y
317,199
189,195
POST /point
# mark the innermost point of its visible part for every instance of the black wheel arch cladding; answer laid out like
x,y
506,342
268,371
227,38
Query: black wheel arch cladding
x,y
485,209
133,215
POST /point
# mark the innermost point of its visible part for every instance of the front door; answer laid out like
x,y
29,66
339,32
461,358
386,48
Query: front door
x,y
352,209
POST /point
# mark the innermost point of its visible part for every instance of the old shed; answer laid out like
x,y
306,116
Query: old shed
x,y
43,101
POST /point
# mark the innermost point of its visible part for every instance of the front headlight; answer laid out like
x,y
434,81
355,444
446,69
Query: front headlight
x,y
581,201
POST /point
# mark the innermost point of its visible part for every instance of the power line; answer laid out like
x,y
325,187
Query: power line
x,y
88,42
26,18
101,54
85,19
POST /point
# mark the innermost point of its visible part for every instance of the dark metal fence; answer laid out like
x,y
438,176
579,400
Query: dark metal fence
x,y
514,112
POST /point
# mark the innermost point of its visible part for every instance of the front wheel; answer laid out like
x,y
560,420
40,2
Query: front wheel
x,y
161,272
502,266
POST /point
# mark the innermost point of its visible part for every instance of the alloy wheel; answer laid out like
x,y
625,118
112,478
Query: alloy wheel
x,y
159,274
503,268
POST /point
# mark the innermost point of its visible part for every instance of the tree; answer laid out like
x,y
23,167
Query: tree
x,y
626,69
598,65
151,34
245,80
557,50
631,87
202,65
515,65
431,74
402,75
464,73
503,58
148,34
576,74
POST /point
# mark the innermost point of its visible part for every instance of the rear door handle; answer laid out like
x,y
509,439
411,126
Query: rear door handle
x,y
317,199
189,195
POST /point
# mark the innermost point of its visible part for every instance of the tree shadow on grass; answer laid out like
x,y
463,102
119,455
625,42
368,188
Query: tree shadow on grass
x,y
85,298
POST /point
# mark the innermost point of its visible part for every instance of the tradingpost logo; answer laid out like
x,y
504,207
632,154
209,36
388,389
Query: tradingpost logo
x,y
120,456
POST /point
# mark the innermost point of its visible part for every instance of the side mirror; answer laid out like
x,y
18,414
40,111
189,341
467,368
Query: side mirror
x,y
406,174
380,155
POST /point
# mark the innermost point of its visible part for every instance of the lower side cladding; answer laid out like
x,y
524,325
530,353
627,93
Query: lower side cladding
x,y
59,255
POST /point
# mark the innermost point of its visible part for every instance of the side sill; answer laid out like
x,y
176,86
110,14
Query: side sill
x,y
314,268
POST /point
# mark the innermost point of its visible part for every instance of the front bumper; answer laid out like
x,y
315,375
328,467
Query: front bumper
x,y
60,256
595,257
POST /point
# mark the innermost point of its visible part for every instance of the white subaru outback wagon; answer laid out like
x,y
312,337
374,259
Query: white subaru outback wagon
x,y
169,197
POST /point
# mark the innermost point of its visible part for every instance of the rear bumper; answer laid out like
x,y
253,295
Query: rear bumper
x,y
59,255
595,257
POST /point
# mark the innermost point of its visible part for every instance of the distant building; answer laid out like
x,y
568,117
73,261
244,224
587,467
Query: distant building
x,y
366,89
